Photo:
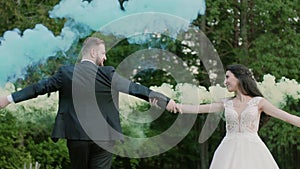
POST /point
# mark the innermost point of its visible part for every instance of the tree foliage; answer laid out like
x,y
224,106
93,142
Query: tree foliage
x,y
24,14
264,35
24,143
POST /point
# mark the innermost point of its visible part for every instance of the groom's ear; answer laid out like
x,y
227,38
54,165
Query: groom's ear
x,y
92,52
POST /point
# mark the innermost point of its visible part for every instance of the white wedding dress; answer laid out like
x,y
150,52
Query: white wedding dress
x,y
242,148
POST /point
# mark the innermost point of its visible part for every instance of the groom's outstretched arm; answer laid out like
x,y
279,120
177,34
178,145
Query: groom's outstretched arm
x,y
42,87
124,85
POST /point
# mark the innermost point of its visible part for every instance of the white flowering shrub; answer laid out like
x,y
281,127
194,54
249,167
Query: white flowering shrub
x,y
275,92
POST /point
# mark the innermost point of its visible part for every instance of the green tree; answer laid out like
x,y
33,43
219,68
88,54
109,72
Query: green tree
x,y
282,138
25,14
13,153
263,35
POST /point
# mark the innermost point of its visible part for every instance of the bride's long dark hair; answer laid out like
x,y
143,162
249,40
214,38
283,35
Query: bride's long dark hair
x,y
248,85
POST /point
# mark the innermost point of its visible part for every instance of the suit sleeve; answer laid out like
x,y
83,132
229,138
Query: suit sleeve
x,y
51,84
123,85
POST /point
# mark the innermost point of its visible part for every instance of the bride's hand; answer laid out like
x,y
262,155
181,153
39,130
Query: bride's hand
x,y
178,108
171,106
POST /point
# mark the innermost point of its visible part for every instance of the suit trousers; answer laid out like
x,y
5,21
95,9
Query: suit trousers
x,y
89,155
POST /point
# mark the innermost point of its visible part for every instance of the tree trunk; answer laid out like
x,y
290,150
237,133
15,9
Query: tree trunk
x,y
203,24
244,34
204,155
251,22
236,25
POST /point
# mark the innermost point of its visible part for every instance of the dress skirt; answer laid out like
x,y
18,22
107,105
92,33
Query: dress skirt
x,y
243,151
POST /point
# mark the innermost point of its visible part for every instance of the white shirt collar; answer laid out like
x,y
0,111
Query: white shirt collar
x,y
88,60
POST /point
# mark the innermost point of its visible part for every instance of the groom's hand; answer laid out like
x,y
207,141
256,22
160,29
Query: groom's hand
x,y
154,102
3,102
171,106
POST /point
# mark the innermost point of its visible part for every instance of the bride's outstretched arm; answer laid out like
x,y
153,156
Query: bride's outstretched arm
x,y
273,111
204,108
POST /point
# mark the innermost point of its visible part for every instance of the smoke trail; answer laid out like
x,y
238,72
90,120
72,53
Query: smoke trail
x,y
20,49
99,13
17,49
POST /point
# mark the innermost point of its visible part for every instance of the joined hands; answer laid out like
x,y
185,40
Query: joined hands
x,y
172,106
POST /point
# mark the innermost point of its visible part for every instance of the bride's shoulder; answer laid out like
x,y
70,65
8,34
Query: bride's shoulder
x,y
257,99
225,100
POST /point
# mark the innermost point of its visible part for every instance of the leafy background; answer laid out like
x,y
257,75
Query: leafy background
x,y
264,35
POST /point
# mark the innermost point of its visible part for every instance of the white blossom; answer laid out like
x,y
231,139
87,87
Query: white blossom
x,y
275,92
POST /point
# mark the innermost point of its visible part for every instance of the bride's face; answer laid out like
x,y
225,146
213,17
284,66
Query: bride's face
x,y
231,82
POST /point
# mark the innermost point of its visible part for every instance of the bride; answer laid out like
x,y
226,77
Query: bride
x,y
242,148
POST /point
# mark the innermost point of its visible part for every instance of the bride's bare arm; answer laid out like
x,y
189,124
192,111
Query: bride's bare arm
x,y
204,108
273,111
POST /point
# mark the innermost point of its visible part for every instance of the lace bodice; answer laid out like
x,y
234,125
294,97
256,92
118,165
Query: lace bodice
x,y
245,122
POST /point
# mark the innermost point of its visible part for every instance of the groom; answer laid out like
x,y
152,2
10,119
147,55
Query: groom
x,y
88,113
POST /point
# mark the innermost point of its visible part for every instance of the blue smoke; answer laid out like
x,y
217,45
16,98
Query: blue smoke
x,y
18,50
99,13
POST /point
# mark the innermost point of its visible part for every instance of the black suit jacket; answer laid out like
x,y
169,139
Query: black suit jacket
x,y
88,100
